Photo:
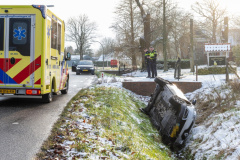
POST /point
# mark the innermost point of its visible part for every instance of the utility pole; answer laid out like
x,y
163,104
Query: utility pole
x,y
191,46
164,37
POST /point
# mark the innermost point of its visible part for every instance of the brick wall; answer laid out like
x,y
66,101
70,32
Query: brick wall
x,y
146,88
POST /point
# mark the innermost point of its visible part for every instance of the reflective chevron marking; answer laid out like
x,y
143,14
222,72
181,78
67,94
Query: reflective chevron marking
x,y
27,71
6,62
4,78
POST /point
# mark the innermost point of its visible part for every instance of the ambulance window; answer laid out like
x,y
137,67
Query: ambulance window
x,y
59,38
1,33
54,35
19,35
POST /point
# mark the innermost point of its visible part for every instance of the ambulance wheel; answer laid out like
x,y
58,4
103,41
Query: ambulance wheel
x,y
47,98
65,91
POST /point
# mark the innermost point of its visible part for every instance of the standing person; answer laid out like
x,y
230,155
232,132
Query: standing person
x,y
153,59
147,62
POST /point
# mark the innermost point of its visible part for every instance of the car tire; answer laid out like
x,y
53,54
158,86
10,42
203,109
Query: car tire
x,y
65,91
77,73
93,73
161,81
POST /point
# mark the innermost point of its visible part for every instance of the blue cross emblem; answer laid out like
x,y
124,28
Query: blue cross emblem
x,y
19,33
48,31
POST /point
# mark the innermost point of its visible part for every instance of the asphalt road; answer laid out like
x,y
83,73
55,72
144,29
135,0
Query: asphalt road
x,y
26,123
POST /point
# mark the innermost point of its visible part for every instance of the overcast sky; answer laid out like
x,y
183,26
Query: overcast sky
x,y
101,11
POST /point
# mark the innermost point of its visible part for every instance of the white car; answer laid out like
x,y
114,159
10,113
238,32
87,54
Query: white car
x,y
171,112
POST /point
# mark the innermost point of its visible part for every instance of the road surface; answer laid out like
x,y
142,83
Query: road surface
x,y
26,123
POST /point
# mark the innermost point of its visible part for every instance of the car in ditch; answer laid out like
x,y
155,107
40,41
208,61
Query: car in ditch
x,y
85,66
171,113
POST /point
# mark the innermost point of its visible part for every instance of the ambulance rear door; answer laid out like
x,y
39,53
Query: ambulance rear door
x,y
17,50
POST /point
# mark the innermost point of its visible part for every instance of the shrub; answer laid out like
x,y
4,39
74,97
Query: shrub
x,y
236,54
185,63
214,70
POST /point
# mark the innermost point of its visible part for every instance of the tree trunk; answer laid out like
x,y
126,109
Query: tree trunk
x,y
134,62
147,37
147,30
214,23
81,52
191,46
164,37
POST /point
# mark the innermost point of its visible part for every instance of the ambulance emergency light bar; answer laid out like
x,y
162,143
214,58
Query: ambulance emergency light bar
x,y
217,47
43,9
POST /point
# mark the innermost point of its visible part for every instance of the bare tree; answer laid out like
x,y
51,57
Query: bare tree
x,y
211,11
127,27
145,42
108,46
69,49
81,31
180,32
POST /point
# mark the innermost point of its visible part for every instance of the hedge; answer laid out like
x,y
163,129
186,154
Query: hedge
x,y
100,63
214,70
185,63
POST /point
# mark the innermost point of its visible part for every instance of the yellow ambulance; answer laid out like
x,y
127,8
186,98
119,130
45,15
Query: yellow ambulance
x,y
32,60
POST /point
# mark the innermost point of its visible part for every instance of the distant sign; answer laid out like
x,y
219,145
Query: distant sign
x,y
217,61
217,47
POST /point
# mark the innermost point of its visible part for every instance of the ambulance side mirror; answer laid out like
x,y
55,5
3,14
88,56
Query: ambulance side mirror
x,y
68,56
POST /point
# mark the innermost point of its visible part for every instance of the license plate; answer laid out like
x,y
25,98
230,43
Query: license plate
x,y
84,70
7,91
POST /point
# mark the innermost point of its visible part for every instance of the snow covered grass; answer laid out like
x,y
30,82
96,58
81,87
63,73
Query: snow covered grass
x,y
217,134
104,123
217,131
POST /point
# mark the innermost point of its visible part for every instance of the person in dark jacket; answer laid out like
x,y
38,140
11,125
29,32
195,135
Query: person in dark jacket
x,y
153,59
147,62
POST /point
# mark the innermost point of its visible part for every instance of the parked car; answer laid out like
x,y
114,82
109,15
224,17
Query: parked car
x,y
74,65
172,113
85,66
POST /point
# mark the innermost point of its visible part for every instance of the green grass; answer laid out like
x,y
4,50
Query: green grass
x,y
115,117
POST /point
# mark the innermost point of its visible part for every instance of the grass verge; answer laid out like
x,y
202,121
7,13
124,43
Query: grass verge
x,y
104,123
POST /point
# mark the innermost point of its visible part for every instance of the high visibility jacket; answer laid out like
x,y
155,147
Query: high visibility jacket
x,y
147,54
153,55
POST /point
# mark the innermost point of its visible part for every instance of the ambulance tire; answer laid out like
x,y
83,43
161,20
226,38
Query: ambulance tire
x,y
65,91
47,98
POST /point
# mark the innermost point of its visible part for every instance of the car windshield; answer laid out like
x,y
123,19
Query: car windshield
x,y
85,63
